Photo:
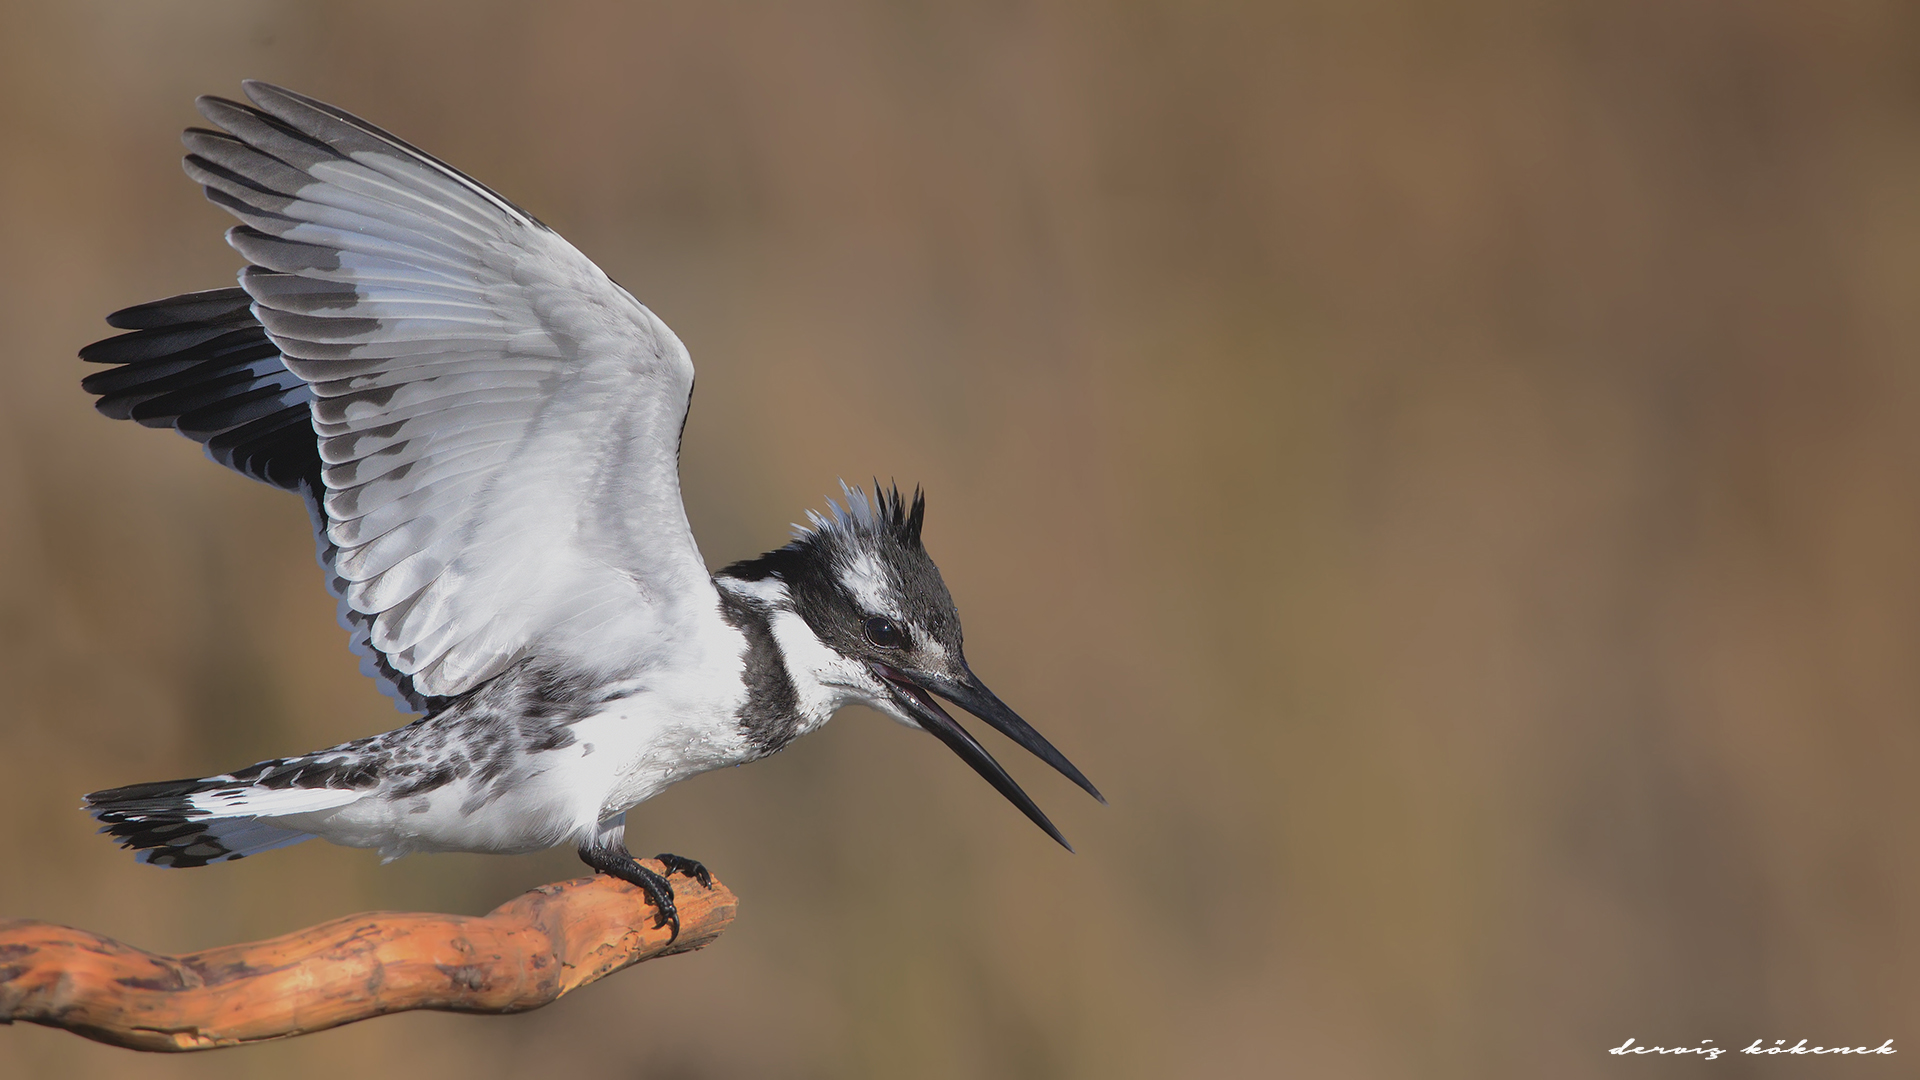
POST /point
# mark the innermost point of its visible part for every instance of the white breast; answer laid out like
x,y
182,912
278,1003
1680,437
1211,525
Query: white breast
x,y
676,719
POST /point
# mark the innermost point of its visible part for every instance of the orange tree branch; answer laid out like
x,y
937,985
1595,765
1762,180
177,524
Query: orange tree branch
x,y
522,955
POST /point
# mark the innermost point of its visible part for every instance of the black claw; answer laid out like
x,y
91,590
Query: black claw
x,y
659,892
676,864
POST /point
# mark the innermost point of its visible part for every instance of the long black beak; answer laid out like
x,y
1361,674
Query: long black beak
x,y
911,689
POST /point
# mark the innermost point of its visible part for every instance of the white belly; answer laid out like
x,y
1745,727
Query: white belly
x,y
619,757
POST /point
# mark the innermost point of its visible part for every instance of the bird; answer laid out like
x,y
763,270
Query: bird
x,y
485,430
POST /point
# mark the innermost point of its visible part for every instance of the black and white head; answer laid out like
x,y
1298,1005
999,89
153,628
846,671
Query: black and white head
x,y
862,616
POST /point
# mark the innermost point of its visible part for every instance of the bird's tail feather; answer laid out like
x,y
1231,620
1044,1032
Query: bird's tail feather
x,y
216,819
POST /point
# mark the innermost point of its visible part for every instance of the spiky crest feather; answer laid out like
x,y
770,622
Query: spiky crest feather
x,y
886,511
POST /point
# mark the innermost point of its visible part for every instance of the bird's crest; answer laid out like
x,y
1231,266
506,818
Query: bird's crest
x,y
886,514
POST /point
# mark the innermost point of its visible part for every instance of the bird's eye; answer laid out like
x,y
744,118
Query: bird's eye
x,y
883,634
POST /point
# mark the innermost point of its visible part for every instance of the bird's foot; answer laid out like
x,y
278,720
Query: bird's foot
x,y
621,864
676,864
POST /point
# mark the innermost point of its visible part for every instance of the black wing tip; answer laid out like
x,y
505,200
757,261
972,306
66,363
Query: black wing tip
x,y
277,104
196,138
255,89
161,313
266,95
213,106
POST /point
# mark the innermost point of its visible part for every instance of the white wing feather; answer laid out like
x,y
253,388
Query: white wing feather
x,y
499,421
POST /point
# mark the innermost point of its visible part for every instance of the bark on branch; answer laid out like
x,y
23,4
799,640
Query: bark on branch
x,y
522,955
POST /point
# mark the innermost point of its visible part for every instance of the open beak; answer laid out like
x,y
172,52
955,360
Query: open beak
x,y
914,690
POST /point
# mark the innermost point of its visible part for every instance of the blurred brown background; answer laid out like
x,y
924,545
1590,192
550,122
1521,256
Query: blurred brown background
x,y
1450,473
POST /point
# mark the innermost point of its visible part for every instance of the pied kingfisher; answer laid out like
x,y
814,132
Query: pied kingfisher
x,y
486,430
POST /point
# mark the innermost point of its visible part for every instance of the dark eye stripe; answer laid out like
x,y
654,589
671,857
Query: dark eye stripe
x,y
883,634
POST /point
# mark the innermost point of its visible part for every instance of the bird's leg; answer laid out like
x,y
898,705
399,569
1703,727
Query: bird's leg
x,y
677,864
608,854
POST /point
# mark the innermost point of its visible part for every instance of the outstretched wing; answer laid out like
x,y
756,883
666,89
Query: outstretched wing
x,y
497,422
